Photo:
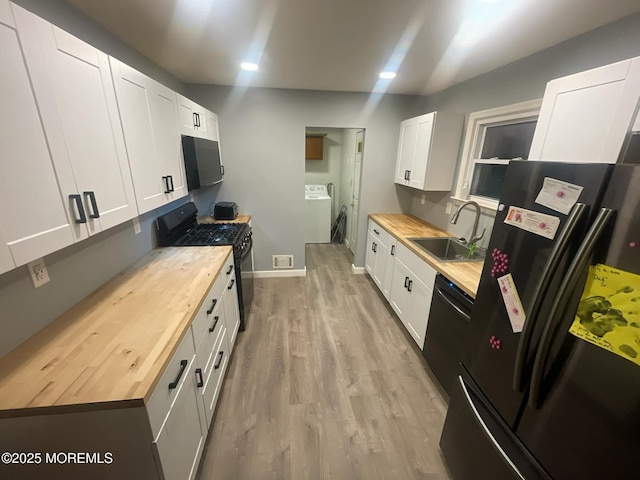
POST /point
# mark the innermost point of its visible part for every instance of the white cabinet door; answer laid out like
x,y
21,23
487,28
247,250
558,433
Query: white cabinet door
x,y
389,266
181,440
193,121
74,91
213,131
418,309
370,256
406,151
399,297
585,117
424,130
33,217
149,116
231,311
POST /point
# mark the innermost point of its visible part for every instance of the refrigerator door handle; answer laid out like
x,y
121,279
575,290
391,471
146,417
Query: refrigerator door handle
x,y
567,286
487,432
540,292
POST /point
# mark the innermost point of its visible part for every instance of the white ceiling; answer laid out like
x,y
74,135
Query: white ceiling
x,y
344,44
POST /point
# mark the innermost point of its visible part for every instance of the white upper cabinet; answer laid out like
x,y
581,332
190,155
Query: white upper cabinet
x,y
149,116
428,151
212,126
193,118
33,219
585,117
75,95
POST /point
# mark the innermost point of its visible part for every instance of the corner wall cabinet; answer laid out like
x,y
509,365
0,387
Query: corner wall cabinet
x,y
586,117
428,151
149,116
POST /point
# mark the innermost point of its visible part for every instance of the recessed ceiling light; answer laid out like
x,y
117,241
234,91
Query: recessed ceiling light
x,y
387,75
248,66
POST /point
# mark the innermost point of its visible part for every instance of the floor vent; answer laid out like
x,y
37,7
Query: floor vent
x,y
282,261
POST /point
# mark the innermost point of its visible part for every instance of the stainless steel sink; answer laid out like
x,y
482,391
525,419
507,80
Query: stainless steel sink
x,y
448,249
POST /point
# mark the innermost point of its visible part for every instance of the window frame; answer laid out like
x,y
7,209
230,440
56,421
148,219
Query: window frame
x,y
474,138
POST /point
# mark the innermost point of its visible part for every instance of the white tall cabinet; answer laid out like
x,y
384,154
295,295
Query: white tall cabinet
x,y
28,186
585,117
75,95
428,151
149,116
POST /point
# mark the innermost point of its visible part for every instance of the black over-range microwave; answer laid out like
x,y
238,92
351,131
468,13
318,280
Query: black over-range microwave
x,y
201,161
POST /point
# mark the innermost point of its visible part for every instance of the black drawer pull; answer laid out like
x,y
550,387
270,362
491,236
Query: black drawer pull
x,y
230,270
183,365
376,231
393,250
231,284
76,198
94,205
213,305
215,322
217,365
200,382
406,280
410,285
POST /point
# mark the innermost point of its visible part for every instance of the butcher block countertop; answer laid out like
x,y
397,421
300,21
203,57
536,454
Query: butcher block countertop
x,y
110,350
465,275
210,219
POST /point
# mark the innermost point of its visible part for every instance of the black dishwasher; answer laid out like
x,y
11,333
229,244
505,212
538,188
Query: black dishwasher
x,y
448,321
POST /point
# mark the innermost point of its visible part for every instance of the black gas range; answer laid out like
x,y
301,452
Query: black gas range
x,y
180,228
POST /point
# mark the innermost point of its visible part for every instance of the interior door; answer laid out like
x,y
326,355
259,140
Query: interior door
x,y
355,190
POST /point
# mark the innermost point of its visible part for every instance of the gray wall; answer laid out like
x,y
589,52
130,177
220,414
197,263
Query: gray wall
x,y
521,81
262,145
79,269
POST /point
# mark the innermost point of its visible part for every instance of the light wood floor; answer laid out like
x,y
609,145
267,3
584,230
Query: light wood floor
x,y
325,384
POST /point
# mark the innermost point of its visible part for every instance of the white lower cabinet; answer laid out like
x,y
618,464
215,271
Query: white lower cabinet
x,y
379,256
411,292
181,433
181,440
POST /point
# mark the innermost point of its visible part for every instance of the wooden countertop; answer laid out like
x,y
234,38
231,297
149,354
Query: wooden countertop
x,y
110,349
465,275
210,219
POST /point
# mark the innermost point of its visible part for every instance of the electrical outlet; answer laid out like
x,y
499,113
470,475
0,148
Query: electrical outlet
x,y
448,209
136,225
423,199
38,272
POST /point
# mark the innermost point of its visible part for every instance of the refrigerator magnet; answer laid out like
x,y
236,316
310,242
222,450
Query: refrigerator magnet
x,y
558,195
534,222
512,302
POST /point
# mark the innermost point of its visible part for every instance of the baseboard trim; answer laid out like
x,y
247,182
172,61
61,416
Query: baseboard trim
x,y
280,273
357,270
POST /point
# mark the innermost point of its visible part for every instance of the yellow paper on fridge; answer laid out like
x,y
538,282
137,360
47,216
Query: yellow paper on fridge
x,y
609,312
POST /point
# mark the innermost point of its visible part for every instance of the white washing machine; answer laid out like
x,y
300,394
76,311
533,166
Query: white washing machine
x,y
318,214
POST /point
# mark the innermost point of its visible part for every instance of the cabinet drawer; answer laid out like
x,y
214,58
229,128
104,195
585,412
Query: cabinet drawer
x,y
416,265
376,229
208,349
211,306
163,397
213,382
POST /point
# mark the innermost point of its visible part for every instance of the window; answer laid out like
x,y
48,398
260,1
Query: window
x,y
493,138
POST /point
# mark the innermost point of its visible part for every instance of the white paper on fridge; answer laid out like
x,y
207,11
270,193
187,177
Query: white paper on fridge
x,y
512,302
534,222
558,195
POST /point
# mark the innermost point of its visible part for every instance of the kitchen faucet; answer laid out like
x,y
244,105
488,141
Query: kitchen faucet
x,y
454,220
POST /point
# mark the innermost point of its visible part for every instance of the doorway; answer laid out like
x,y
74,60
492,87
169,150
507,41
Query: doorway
x,y
333,161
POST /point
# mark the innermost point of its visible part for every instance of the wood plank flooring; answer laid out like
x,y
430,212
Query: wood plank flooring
x,y
325,384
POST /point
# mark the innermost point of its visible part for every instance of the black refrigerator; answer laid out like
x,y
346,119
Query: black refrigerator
x,y
556,395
